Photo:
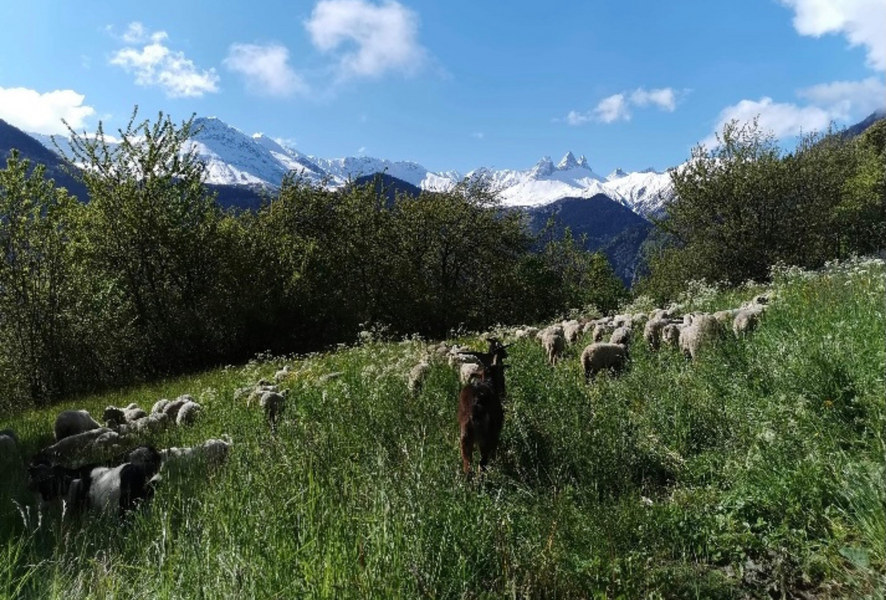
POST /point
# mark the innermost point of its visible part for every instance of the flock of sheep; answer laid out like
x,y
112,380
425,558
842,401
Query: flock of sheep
x,y
482,374
108,468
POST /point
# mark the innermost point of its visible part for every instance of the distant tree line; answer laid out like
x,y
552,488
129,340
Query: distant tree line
x,y
151,277
746,205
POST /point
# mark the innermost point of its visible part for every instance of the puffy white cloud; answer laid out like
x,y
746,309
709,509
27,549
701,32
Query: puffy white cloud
x,y
613,108
664,98
385,36
849,99
34,112
863,22
154,64
265,68
782,119
618,106
837,102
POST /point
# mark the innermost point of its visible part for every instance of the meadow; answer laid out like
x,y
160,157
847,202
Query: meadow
x,y
757,471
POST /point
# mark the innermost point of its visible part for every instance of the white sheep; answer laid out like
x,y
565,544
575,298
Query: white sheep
x,y
601,330
554,345
114,416
652,332
702,330
571,331
621,335
213,452
747,320
670,334
187,414
601,356
467,372
282,374
159,406
726,317
172,408
273,403
72,422
74,448
417,376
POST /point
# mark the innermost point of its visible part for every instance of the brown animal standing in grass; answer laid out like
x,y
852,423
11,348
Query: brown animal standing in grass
x,y
480,412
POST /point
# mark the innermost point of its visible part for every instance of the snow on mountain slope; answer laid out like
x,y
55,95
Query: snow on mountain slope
x,y
644,192
545,183
235,158
232,157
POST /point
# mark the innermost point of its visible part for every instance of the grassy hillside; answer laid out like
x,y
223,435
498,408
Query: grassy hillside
x,y
756,471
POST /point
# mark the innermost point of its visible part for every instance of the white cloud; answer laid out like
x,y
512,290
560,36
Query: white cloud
x,y
837,102
156,65
266,69
361,150
848,99
618,106
32,111
664,98
782,119
861,21
577,118
613,108
385,36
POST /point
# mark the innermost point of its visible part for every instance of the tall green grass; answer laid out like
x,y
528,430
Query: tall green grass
x,y
756,471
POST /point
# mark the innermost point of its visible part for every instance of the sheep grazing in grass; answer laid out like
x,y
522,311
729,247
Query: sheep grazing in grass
x,y
114,416
187,414
273,404
601,356
255,393
172,409
107,489
417,376
701,331
480,412
159,406
212,452
74,449
601,330
670,335
571,331
554,344
725,317
468,372
652,332
621,335
152,423
282,374
746,320
72,422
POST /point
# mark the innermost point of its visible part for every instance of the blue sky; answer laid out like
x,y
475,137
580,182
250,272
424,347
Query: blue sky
x,y
452,85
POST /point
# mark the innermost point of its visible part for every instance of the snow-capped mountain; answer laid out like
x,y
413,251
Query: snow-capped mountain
x,y
234,158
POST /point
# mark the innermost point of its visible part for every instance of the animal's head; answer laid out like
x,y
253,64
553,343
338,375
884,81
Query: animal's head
x,y
114,416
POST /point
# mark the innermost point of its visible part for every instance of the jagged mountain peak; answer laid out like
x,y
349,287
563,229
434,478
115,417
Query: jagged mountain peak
x,y
543,167
616,174
569,162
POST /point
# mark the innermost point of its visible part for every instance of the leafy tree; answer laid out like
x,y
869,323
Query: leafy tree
x,y
745,205
582,278
150,232
35,282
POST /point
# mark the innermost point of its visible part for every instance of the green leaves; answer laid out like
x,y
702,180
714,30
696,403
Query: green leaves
x,y
745,205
